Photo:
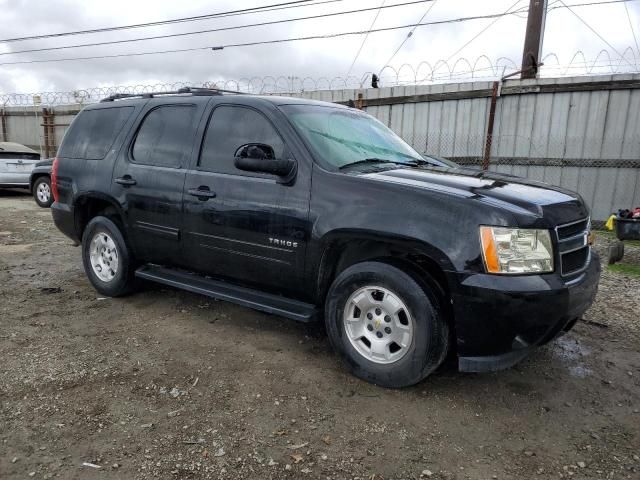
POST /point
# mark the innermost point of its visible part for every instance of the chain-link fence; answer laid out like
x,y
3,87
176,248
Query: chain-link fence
x,y
521,150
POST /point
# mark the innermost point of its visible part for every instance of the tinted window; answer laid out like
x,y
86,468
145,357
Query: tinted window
x,y
19,156
93,132
165,137
231,127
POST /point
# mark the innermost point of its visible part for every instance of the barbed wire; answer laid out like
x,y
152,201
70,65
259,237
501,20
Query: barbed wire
x,y
462,69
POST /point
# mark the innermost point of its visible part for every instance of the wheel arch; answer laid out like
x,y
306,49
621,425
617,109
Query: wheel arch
x,y
34,178
90,204
344,248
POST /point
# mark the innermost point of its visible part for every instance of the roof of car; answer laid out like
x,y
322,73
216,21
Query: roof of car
x,y
13,147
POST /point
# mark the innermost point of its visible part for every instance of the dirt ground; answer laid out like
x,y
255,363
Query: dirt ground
x,y
167,384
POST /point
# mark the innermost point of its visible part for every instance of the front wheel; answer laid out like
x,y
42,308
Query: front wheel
x,y
107,259
42,192
388,329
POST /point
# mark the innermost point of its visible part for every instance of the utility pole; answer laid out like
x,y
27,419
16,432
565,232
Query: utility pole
x,y
533,39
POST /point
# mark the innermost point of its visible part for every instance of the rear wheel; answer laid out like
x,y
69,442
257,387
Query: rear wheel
x,y
107,259
387,328
42,192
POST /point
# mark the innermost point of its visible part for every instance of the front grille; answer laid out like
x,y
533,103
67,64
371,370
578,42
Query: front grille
x,y
573,246
572,229
574,261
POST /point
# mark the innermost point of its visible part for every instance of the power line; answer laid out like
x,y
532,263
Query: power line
x,y
595,32
485,29
365,37
587,4
262,9
220,29
244,11
267,42
410,34
633,31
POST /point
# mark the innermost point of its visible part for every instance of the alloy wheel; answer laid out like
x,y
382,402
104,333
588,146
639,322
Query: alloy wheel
x,y
378,324
103,254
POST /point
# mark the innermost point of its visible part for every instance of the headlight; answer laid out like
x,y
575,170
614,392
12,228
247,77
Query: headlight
x,y
516,250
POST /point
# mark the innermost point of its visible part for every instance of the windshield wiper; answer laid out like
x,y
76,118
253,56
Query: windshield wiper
x,y
370,160
420,161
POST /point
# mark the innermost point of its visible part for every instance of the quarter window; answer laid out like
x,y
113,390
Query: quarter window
x,y
165,137
92,133
229,128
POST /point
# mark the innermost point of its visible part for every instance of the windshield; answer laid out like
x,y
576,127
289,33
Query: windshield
x,y
340,137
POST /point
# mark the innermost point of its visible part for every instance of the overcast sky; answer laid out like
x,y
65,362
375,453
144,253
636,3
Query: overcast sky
x,y
565,35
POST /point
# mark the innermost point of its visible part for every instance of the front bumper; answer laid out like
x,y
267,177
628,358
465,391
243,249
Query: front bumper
x,y
499,320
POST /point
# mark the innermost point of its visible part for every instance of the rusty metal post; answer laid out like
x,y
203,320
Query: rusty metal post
x,y
359,102
3,125
52,133
492,115
45,126
48,124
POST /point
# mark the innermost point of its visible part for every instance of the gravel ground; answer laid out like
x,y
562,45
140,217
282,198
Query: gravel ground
x,y
166,384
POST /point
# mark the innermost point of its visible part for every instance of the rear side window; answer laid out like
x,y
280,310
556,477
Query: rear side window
x,y
165,137
93,132
231,127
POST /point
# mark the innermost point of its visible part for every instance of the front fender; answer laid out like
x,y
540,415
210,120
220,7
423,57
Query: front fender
x,y
443,226
341,248
37,173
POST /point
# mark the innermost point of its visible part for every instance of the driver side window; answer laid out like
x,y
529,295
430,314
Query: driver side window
x,y
229,128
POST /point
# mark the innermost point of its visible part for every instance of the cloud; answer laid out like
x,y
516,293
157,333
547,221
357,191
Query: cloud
x,y
314,58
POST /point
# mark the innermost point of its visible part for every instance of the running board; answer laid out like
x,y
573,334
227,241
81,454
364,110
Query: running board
x,y
247,297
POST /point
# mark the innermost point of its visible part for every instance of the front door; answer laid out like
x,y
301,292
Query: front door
x,y
240,225
149,178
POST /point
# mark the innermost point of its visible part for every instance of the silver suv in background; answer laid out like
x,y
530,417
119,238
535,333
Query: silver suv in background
x,y
16,163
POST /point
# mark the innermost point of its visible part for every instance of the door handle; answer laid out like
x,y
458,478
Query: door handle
x,y
203,193
127,181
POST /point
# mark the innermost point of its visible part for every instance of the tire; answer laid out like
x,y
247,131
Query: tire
x,y
112,270
42,192
418,320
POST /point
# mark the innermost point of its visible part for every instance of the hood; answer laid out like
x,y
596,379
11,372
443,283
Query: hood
x,y
519,195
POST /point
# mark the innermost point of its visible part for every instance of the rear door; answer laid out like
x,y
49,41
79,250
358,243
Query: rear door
x,y
149,177
241,225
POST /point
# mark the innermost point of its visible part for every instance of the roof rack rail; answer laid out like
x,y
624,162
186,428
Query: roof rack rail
x,y
180,91
207,89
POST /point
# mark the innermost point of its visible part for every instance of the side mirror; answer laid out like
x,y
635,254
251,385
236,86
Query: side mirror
x,y
258,157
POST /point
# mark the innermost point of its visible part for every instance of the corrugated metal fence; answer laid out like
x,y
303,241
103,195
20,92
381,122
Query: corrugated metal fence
x,y
582,133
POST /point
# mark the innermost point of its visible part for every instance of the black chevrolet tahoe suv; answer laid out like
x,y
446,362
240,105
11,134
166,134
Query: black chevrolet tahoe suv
x,y
311,210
